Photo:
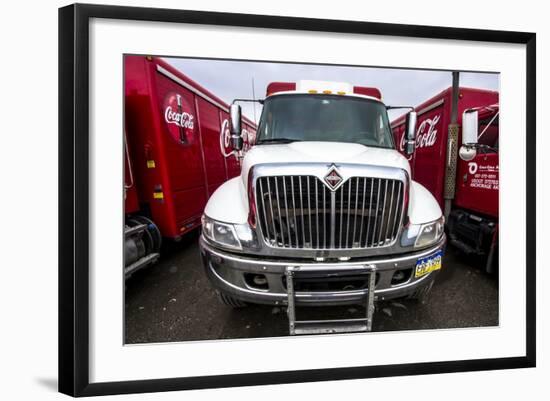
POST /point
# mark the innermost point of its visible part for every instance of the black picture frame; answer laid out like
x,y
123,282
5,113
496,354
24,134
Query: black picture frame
x,y
74,198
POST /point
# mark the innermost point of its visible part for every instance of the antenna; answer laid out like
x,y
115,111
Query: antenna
x,y
254,98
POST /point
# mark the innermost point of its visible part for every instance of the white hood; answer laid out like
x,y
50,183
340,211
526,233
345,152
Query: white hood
x,y
423,207
323,152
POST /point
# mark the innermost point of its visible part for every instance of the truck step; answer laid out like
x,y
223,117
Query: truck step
x,y
328,326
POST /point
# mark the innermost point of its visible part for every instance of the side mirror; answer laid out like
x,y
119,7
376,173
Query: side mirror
x,y
235,115
469,135
237,142
410,132
469,127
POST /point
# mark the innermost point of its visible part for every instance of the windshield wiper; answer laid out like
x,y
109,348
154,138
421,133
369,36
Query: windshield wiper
x,y
276,140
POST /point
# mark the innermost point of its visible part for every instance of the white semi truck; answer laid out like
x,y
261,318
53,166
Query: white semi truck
x,y
324,211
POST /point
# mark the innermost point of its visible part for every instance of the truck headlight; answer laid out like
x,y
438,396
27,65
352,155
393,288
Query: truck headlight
x,y
221,233
422,235
234,236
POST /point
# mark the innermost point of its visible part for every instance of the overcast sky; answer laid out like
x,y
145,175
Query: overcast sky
x,y
233,79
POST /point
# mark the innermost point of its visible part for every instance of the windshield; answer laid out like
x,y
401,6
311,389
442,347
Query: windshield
x,y
330,118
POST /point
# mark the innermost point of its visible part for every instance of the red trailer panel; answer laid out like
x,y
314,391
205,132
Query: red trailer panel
x,y
176,155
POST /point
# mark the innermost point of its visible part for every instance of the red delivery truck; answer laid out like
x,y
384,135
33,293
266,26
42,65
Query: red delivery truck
x,y
461,168
177,152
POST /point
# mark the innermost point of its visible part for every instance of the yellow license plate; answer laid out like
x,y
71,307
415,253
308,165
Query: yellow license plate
x,y
428,264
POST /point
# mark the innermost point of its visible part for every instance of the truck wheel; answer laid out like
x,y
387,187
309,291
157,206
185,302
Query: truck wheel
x,y
422,294
228,300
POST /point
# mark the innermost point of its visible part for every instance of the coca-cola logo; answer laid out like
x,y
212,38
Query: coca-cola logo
x,y
179,118
225,138
426,134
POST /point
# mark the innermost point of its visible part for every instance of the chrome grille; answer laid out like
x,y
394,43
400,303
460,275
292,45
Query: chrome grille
x,y
298,211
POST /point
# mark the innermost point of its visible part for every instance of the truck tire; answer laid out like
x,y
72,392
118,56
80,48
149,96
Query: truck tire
x,y
228,300
422,294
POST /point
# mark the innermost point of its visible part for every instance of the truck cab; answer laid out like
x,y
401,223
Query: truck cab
x,y
324,211
463,170
473,224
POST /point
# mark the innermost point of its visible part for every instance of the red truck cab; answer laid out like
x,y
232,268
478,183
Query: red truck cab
x,y
472,185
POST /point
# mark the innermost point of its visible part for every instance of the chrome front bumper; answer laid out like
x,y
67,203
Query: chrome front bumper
x,y
228,271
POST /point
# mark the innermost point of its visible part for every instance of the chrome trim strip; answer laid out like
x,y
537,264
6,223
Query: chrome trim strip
x,y
319,170
403,203
297,262
294,209
271,210
349,212
356,204
325,217
309,213
390,222
302,211
286,213
376,214
398,202
279,213
341,215
317,212
362,211
332,219
370,211
268,233
383,212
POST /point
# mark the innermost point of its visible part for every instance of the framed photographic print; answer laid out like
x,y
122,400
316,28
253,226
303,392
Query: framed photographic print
x,y
251,199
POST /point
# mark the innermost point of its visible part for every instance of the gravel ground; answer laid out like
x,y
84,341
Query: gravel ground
x,y
174,301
